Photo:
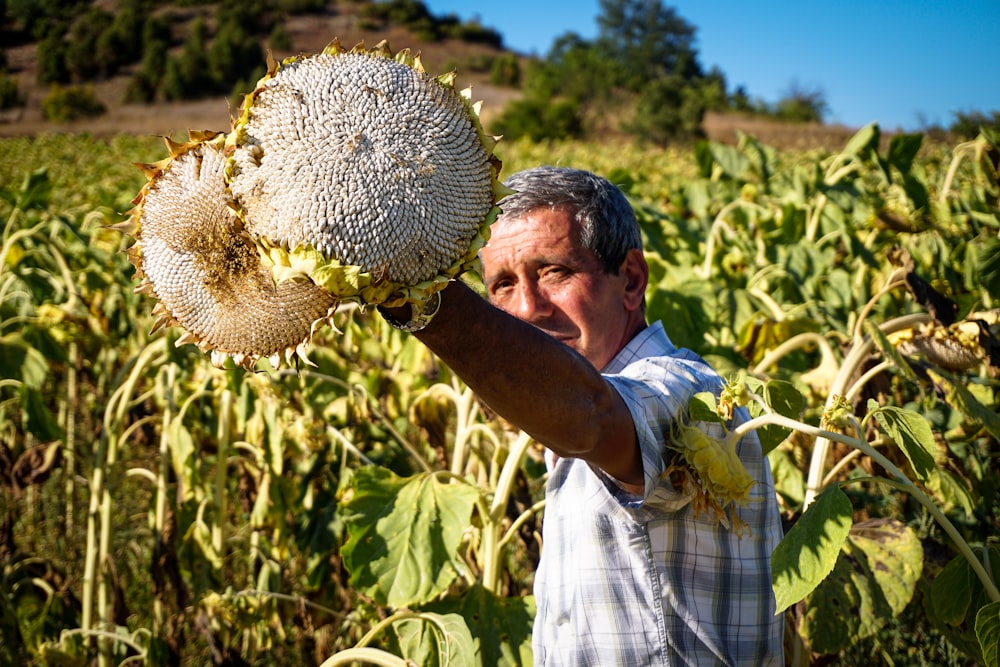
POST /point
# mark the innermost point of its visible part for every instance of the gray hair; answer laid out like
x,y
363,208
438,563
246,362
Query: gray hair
x,y
607,222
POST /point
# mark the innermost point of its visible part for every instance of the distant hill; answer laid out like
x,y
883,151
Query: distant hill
x,y
309,33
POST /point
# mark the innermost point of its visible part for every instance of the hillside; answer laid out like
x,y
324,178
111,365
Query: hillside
x,y
309,34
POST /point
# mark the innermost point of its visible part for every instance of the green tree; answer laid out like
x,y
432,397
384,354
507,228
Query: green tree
x,y
647,41
505,71
10,94
577,69
668,109
63,104
188,75
539,120
644,49
279,39
146,81
233,55
38,17
802,105
969,124
124,36
82,52
51,61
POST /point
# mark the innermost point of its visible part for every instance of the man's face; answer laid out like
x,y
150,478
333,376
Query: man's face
x,y
536,269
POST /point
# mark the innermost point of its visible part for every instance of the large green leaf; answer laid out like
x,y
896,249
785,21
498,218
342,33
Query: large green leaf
x,y
893,558
988,632
956,598
873,580
435,640
683,314
951,591
501,626
404,534
808,553
703,408
911,433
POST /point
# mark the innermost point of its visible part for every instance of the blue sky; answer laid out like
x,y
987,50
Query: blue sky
x,y
906,64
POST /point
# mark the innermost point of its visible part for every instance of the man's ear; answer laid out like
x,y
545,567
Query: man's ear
x,y
636,273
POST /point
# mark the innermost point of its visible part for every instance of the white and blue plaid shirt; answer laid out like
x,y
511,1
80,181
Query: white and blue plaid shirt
x,y
626,581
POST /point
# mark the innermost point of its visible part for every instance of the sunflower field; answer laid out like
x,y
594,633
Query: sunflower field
x,y
368,509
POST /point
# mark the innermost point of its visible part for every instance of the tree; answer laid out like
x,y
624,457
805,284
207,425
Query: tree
x,y
668,109
968,124
539,120
82,54
188,76
574,68
647,40
802,105
52,61
644,49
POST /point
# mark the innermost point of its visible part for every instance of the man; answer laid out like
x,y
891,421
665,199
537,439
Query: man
x,y
630,574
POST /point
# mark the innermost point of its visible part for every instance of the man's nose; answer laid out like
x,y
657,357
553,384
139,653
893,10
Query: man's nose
x,y
530,303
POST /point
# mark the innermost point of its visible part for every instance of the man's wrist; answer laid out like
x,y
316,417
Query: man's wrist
x,y
415,316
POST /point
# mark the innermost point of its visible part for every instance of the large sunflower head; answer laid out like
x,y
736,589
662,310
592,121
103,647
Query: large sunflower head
x,y
349,175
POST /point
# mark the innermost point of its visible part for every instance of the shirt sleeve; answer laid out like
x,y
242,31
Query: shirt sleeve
x,y
655,396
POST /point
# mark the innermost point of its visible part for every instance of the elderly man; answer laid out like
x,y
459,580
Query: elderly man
x,y
630,574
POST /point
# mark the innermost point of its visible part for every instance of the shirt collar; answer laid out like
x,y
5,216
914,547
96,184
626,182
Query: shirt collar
x,y
650,342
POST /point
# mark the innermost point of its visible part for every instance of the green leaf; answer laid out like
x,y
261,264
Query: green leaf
x,y
703,158
950,490
182,458
960,398
873,581
834,611
501,626
20,361
35,189
864,140
703,408
894,558
988,633
903,148
808,553
733,163
783,398
435,640
789,480
404,534
988,263
885,347
951,591
911,433
685,312
955,598
37,419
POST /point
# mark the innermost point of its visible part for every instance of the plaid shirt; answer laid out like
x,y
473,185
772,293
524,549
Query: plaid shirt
x,y
630,581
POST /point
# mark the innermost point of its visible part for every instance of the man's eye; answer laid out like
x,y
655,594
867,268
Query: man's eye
x,y
555,272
